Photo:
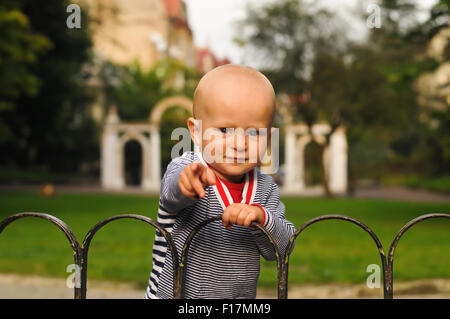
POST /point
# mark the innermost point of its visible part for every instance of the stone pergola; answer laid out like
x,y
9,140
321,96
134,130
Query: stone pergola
x,y
117,134
298,136
334,156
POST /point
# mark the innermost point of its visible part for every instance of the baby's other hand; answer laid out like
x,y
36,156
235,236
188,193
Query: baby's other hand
x,y
194,179
241,214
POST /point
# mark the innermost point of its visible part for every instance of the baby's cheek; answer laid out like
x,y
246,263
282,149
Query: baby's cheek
x,y
256,149
213,149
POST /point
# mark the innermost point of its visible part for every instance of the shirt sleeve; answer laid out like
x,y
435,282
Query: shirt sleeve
x,y
276,224
171,198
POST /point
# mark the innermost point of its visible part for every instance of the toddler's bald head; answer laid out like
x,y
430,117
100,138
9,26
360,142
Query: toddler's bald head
x,y
233,111
233,84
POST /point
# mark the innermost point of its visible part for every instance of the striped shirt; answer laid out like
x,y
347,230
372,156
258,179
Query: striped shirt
x,y
221,263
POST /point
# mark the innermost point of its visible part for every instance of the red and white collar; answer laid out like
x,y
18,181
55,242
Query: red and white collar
x,y
223,194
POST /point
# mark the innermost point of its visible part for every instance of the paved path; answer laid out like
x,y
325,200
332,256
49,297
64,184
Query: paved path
x,y
32,287
35,287
402,193
433,288
394,193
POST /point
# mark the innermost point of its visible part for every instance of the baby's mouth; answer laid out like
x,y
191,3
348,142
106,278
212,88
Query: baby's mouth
x,y
236,159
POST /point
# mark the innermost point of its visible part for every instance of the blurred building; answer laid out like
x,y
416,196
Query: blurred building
x,y
206,60
146,31
434,87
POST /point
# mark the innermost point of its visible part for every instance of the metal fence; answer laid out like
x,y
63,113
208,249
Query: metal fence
x,y
80,253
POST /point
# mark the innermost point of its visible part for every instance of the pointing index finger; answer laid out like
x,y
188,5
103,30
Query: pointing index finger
x,y
208,177
196,167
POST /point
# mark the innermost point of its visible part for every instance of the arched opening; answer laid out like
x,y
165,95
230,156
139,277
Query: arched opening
x,y
172,118
313,156
167,115
133,163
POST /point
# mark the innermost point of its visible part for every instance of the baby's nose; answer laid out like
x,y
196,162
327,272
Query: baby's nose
x,y
239,140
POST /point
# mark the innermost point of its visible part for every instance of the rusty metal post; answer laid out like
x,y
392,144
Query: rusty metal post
x,y
389,294
61,225
81,253
181,275
93,231
326,217
187,243
281,289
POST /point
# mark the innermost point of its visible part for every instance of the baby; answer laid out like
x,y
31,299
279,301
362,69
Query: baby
x,y
233,111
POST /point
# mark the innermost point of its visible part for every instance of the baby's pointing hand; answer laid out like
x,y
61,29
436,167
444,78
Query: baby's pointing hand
x,y
194,179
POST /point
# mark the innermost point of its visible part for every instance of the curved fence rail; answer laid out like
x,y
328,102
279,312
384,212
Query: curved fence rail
x,y
93,231
180,263
326,217
389,281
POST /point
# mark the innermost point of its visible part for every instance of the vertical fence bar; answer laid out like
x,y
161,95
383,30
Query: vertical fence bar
x,y
88,238
181,276
281,289
187,244
81,253
64,228
326,217
390,263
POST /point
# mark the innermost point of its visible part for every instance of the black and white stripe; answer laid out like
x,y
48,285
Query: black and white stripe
x,y
221,263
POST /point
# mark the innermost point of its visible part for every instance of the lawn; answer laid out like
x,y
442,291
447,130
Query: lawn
x,y
439,184
329,251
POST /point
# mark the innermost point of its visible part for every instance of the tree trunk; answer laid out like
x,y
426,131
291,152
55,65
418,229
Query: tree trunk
x,y
352,175
323,174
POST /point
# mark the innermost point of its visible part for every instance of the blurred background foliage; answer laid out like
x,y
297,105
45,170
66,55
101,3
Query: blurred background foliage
x,y
397,131
46,126
367,86
47,131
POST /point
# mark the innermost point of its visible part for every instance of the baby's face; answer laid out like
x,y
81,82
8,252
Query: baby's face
x,y
236,113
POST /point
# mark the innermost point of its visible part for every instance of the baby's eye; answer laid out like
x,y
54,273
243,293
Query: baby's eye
x,y
226,130
252,133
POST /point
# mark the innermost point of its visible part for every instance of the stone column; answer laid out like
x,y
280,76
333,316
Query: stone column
x,y
289,167
300,161
338,162
110,152
155,159
271,160
110,161
120,163
146,163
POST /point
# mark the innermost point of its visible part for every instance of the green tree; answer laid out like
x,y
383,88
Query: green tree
x,y
135,91
311,67
433,151
367,87
53,129
402,45
292,36
19,49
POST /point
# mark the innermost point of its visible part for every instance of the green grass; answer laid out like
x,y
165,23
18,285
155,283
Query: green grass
x,y
339,251
435,184
329,251
38,176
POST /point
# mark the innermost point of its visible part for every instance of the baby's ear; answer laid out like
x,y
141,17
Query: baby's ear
x,y
195,128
